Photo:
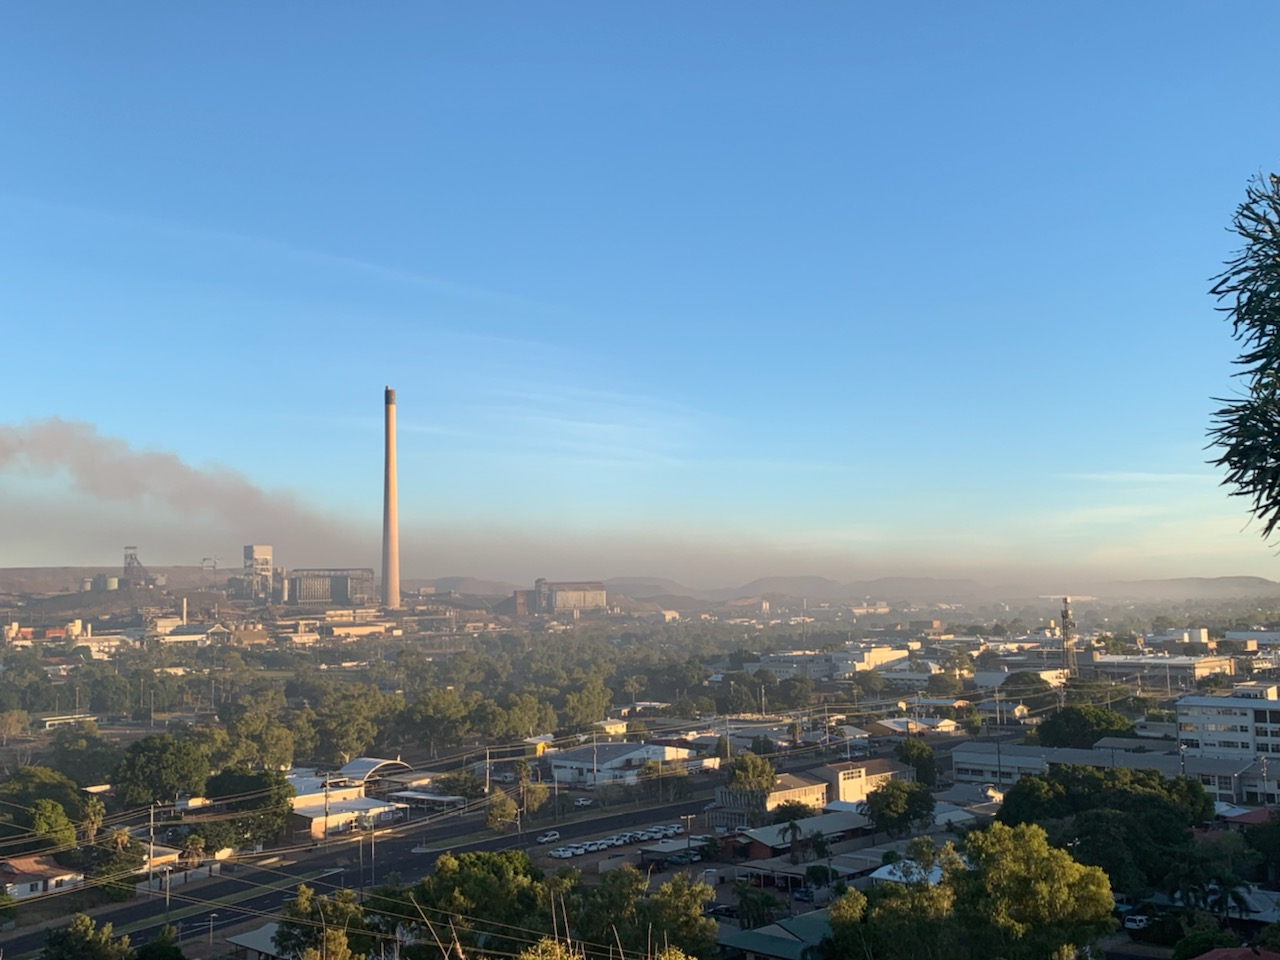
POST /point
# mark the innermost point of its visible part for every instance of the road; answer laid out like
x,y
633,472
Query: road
x,y
247,891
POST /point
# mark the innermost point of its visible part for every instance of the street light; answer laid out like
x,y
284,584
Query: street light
x,y
212,917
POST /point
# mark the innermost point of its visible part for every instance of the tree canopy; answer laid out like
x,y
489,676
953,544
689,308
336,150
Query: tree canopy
x,y
1246,430
896,806
1005,893
159,768
1081,726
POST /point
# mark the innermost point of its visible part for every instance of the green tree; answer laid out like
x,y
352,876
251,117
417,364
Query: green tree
x,y
84,755
93,815
458,784
52,829
82,939
848,937
164,946
440,718
585,706
160,768
305,918
896,807
756,906
790,810
262,798
919,755
502,813
1018,897
1082,727
13,723
675,909
753,773
494,899
1246,430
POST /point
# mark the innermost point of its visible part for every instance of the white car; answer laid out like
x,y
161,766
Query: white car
x,y
1136,922
677,827
576,849
562,853
582,802
551,836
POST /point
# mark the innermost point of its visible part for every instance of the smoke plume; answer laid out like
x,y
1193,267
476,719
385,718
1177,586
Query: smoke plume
x,y
110,470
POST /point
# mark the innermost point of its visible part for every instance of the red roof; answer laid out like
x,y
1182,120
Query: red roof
x,y
1258,815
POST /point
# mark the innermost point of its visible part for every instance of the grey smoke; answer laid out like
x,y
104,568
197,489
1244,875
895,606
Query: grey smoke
x,y
110,470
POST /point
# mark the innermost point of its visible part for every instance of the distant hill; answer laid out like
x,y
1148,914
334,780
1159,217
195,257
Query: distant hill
x,y
814,588
916,589
640,588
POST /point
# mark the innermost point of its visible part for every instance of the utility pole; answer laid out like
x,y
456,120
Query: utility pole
x,y
151,844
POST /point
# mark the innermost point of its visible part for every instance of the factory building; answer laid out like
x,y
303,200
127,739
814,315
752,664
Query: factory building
x,y
351,586
553,597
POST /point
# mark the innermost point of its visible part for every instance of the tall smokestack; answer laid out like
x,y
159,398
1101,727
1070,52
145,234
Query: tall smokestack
x,y
390,515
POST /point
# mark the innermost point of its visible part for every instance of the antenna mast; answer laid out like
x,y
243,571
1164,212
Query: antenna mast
x,y
1068,639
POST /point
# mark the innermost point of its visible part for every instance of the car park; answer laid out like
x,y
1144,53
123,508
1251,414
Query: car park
x,y
551,836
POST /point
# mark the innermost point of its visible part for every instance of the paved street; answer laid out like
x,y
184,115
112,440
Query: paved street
x,y
245,891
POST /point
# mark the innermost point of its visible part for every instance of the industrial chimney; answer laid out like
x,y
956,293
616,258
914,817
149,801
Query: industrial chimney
x,y
390,518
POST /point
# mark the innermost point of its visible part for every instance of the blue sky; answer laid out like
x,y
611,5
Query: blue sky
x,y
711,291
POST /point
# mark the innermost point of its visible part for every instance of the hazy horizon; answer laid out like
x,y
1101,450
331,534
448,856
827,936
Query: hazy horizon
x,y
66,474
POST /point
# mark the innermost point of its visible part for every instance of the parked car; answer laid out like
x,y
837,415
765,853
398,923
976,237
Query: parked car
x,y
551,836
677,827
562,853
804,894
724,911
1137,922
577,849
582,801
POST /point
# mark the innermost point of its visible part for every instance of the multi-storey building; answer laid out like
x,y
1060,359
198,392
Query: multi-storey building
x,y
851,782
1243,725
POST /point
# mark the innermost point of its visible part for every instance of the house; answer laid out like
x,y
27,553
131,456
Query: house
x,y
852,780
913,726
31,876
776,839
792,938
609,762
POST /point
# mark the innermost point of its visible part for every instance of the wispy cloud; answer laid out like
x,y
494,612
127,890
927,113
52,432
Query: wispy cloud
x,y
1140,476
170,229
